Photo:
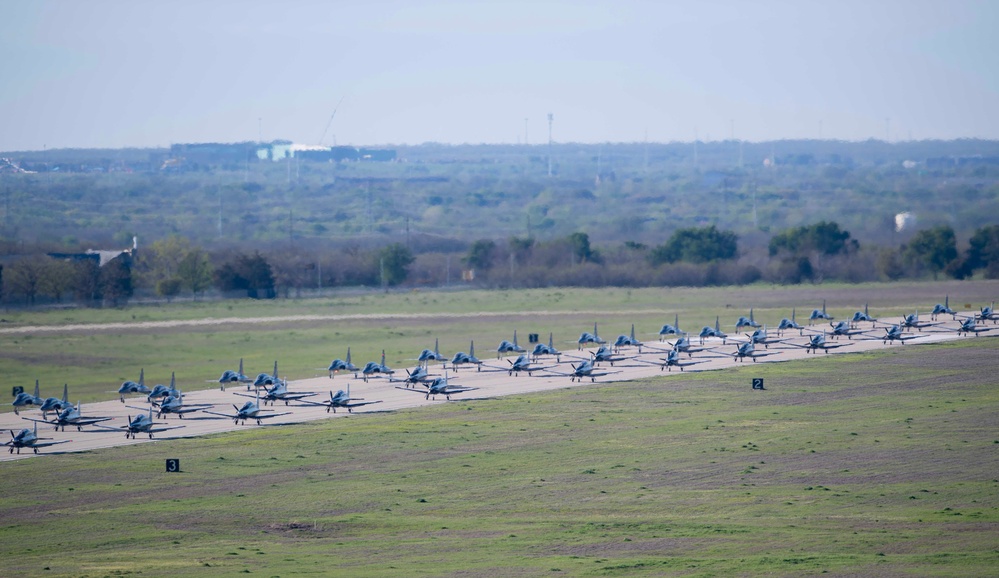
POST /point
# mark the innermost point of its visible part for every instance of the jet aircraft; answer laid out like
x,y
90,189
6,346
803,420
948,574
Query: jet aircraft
x,y
744,322
341,399
55,404
28,438
162,391
265,379
817,315
129,386
373,369
708,331
542,349
507,347
426,356
943,309
628,341
440,386
338,365
786,324
862,316
461,358
670,329
24,399
586,338
230,376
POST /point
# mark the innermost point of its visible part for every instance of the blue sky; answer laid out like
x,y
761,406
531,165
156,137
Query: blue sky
x,y
117,74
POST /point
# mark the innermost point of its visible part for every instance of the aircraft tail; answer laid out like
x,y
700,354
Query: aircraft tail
x,y
37,394
275,370
241,367
65,392
471,349
142,376
633,332
515,346
348,356
173,380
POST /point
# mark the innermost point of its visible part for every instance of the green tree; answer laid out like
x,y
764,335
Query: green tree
x,y
26,277
696,245
195,271
934,248
162,259
480,254
169,288
115,281
825,238
250,273
581,250
983,252
394,261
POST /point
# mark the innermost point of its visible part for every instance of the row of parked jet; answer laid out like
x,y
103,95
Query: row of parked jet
x,y
269,388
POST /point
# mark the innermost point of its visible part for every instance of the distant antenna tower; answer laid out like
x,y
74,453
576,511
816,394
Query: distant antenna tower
x,y
551,119
330,122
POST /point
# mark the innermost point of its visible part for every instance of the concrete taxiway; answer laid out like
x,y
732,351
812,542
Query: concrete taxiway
x,y
489,383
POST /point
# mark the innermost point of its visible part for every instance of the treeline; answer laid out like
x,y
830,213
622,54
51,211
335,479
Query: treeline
x,y
176,267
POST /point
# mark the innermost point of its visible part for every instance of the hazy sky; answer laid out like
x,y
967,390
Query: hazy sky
x,y
127,73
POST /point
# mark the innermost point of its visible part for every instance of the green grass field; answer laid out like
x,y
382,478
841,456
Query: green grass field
x,y
864,464
873,464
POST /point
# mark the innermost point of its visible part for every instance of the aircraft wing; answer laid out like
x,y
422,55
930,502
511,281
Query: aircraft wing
x,y
353,405
89,421
268,415
594,374
420,391
188,409
228,415
47,444
55,422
